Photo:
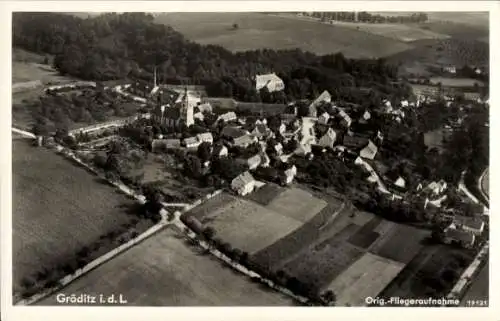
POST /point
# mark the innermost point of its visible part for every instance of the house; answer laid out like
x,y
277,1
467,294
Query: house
x,y
282,128
219,151
205,137
324,97
192,143
251,162
271,81
261,131
307,133
199,116
243,184
288,175
204,108
303,149
173,116
354,142
278,148
450,69
436,188
464,238
328,139
369,151
345,119
473,225
400,182
323,119
244,141
165,144
227,117
290,111
365,117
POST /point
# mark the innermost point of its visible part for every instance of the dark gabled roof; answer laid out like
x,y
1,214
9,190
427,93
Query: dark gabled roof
x,y
355,142
232,132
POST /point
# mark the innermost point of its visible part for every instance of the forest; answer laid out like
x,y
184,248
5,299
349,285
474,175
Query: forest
x,y
129,46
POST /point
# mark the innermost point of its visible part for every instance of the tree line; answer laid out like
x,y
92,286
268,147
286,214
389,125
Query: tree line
x,y
367,17
130,45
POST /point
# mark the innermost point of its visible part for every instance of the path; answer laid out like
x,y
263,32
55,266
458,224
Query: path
x,y
484,184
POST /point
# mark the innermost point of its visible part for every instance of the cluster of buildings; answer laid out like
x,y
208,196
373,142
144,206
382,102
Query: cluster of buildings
x,y
464,230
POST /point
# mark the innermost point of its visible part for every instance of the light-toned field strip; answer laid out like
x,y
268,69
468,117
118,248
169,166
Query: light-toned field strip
x,y
164,271
249,226
366,277
297,204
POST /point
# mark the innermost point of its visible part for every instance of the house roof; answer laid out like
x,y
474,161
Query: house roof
x,y
218,148
205,137
323,97
233,132
243,140
370,149
471,222
355,142
166,143
191,140
242,179
228,116
264,79
460,235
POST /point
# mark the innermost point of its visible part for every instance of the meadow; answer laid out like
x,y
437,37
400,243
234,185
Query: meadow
x,y
58,209
164,270
256,31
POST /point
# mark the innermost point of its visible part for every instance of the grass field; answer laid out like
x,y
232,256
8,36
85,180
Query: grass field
x,y
432,272
456,82
244,224
165,271
58,208
257,31
364,278
479,290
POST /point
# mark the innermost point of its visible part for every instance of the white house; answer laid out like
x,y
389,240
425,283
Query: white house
x,y
328,139
243,184
220,150
205,137
192,143
271,81
289,175
323,118
400,182
345,118
369,151
324,97
464,238
437,187
227,117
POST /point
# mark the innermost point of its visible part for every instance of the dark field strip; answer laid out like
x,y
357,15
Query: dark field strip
x,y
273,256
403,244
266,194
366,235
320,265
204,209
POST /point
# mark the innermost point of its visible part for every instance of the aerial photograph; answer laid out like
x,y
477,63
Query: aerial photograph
x,y
334,159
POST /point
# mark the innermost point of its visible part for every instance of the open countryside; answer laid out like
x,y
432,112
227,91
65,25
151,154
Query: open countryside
x,y
59,209
166,271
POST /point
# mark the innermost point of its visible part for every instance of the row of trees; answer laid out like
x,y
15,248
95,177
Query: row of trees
x,y
116,46
280,277
367,17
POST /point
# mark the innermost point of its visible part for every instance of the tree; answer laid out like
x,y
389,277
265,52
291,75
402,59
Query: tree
x,y
192,166
209,232
204,151
235,26
329,297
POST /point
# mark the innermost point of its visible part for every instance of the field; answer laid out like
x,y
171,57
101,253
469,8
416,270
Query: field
x,y
257,31
456,82
366,277
249,226
58,208
479,290
164,271
432,272
399,32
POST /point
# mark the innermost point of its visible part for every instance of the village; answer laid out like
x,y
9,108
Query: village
x,y
244,152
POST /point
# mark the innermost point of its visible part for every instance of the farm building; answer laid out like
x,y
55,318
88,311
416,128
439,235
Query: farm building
x,y
328,139
324,97
165,144
205,137
243,184
288,175
464,238
470,224
436,188
271,81
228,117
192,143
244,141
323,118
369,151
345,119
251,162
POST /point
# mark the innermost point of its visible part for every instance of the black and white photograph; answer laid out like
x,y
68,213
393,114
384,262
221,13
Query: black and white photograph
x,y
335,158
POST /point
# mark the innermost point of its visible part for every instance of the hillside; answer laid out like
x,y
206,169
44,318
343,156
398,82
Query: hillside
x,y
257,31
